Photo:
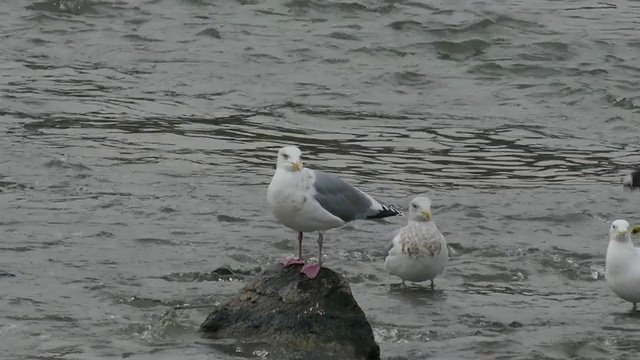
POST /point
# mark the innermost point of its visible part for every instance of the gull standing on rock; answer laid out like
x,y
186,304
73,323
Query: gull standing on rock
x,y
623,263
419,251
308,200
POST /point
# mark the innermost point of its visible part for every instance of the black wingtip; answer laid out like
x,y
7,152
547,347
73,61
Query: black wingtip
x,y
632,181
387,210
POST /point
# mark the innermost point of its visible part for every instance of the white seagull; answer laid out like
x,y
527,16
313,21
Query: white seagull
x,y
623,263
419,251
308,200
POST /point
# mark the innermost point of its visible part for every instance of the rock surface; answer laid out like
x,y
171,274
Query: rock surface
x,y
284,308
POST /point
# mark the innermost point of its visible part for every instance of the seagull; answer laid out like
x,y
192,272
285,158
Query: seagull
x,y
632,181
623,263
418,252
307,200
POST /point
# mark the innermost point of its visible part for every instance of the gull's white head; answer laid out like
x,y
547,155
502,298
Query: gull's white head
x,y
420,209
290,159
619,231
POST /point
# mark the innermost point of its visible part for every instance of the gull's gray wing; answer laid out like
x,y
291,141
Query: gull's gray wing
x,y
345,201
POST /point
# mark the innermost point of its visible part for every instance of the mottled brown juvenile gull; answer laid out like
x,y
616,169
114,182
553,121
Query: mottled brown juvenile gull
x,y
308,200
418,252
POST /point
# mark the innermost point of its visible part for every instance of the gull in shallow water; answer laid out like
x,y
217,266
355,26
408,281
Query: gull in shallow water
x,y
308,200
419,251
623,263
632,180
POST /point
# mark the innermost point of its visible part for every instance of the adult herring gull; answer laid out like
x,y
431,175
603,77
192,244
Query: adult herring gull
x,y
623,263
308,200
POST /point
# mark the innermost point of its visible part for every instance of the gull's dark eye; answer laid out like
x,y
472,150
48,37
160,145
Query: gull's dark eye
x,y
285,156
414,206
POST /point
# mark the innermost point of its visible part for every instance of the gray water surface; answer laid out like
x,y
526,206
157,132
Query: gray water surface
x,y
139,137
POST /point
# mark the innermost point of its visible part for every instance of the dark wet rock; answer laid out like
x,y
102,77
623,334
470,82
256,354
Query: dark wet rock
x,y
283,307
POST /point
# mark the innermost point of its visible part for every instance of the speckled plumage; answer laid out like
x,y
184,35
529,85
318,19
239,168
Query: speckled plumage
x,y
419,251
421,240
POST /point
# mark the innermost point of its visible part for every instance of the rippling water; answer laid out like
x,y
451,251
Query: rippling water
x,y
140,136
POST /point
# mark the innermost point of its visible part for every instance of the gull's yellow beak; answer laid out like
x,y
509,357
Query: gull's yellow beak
x,y
427,214
635,230
297,165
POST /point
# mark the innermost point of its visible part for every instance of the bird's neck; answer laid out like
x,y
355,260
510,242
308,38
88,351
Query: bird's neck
x,y
422,224
420,220
283,173
285,177
619,255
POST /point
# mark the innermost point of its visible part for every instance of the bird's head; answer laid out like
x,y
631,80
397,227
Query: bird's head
x,y
420,209
619,230
290,159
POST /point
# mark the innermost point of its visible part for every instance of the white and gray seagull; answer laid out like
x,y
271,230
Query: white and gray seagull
x,y
623,262
308,200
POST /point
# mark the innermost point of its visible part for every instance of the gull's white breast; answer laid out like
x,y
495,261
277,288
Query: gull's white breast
x,y
623,271
290,197
419,253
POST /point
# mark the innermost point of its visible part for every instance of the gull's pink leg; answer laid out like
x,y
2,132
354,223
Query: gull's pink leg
x,y
298,260
313,270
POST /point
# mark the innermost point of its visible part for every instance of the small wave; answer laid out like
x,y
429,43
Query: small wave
x,y
343,36
139,38
527,70
72,7
460,50
408,78
210,32
220,274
